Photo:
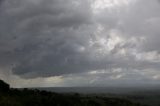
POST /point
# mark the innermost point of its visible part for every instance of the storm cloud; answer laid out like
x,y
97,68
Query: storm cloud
x,y
84,38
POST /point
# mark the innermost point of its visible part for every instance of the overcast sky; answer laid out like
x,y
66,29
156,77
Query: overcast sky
x,y
79,42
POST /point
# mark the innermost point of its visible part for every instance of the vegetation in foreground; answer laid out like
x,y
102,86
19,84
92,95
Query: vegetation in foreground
x,y
26,97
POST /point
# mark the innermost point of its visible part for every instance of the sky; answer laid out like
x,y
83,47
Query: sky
x,y
51,43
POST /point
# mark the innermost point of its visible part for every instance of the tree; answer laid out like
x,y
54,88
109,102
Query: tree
x,y
4,87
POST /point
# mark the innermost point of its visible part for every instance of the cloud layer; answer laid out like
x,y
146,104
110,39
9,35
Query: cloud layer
x,y
48,38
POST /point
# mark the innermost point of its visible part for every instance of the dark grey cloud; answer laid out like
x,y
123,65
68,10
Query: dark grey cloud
x,y
45,38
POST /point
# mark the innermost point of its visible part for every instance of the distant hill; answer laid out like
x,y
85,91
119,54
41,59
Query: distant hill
x,y
99,90
34,97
